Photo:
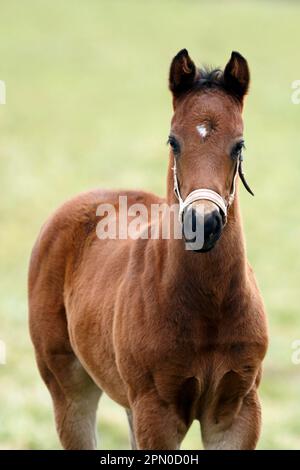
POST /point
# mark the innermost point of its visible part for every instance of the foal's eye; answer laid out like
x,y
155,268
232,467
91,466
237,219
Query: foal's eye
x,y
174,144
237,149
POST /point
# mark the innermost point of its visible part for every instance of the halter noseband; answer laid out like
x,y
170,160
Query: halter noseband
x,y
209,194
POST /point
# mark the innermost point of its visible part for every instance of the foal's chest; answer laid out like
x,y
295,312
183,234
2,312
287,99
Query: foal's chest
x,y
215,375
206,361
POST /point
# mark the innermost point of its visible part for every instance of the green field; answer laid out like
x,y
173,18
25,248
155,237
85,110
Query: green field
x,y
88,106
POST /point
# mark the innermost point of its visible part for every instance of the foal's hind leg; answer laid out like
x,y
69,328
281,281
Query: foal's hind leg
x,y
75,398
74,394
131,430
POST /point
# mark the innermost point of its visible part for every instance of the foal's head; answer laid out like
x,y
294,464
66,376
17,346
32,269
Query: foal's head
x,y
206,138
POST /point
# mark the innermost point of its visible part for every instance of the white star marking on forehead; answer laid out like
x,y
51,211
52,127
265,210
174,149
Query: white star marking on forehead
x,y
202,129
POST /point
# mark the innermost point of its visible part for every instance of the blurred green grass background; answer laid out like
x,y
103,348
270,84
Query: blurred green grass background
x,y
87,106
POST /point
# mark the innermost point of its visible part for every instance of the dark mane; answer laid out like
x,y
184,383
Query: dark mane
x,y
208,77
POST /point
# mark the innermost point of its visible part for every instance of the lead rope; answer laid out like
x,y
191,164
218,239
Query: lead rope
x,y
204,194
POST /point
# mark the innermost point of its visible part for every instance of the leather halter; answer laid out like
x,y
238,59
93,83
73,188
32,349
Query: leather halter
x,y
209,194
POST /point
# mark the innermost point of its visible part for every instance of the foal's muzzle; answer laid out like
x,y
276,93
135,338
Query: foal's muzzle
x,y
202,226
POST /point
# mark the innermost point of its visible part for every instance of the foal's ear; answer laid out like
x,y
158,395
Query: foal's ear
x,y
182,73
237,75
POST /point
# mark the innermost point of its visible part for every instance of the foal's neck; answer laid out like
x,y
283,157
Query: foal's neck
x,y
215,272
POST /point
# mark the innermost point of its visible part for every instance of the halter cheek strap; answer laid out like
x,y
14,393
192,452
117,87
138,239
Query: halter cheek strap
x,y
204,194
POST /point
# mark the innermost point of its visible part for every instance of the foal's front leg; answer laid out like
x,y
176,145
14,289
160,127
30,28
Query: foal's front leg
x,y
239,432
156,423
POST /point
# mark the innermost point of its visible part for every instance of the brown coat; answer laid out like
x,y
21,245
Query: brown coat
x,y
169,334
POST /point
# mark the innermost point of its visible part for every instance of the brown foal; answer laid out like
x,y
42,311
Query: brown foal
x,y
169,334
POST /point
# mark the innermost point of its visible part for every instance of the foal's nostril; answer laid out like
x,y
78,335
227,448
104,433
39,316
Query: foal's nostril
x,y
201,229
212,224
